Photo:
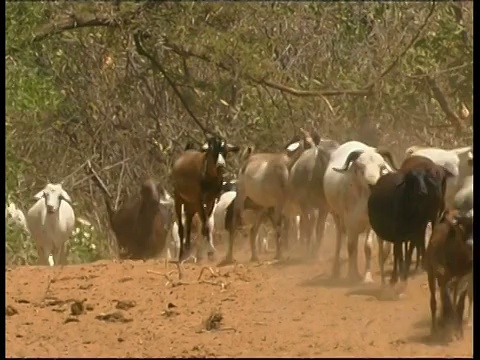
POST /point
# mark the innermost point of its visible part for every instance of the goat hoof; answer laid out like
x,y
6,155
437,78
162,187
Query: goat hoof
x,y
368,278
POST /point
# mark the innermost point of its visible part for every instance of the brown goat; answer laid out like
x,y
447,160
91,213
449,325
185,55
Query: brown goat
x,y
449,258
197,179
139,226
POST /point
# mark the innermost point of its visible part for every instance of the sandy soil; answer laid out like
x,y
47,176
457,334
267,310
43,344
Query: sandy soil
x,y
285,309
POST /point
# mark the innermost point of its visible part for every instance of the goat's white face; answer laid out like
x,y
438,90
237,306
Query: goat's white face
x,y
53,195
15,214
166,199
370,166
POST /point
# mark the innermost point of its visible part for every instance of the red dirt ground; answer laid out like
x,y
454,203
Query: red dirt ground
x,y
288,309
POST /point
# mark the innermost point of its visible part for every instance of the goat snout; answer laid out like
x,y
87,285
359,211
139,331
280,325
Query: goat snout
x,y
422,187
51,209
221,161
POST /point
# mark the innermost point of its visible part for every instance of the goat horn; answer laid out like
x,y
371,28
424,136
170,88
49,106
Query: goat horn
x,y
350,158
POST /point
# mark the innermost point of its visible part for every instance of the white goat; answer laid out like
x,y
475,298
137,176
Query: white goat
x,y
51,221
456,161
17,216
353,168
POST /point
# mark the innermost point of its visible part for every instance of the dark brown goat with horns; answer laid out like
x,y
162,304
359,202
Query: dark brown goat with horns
x,y
197,180
141,224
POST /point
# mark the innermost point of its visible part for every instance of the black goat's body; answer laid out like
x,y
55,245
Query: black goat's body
x,y
401,205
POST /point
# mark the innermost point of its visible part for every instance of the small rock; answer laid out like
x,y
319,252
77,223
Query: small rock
x,y
77,308
125,304
10,310
115,316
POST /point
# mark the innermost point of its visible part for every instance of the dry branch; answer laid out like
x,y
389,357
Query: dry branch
x,y
274,85
156,64
97,178
410,44
442,101
77,21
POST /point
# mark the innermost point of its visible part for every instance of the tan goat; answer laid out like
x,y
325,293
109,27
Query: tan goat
x,y
305,192
263,179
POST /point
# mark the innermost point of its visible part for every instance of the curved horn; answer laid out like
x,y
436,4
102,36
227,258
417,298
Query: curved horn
x,y
387,155
350,158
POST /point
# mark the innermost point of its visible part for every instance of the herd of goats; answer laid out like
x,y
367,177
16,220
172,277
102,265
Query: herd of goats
x,y
360,186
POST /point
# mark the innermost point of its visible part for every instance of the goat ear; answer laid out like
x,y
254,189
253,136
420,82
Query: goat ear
x,y
293,146
66,197
205,147
387,155
38,195
233,148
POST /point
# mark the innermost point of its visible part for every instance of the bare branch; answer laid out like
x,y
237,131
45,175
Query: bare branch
x,y
292,91
442,101
156,64
99,181
410,44
77,21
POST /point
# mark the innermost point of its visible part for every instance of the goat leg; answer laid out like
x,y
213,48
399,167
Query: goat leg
x,y
409,256
459,318
433,301
338,247
253,239
352,242
278,238
178,213
367,248
397,253
320,230
207,228
187,244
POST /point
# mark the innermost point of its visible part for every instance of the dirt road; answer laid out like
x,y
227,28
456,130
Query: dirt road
x,y
289,309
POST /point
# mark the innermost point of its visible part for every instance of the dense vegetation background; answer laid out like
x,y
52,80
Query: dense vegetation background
x,y
120,87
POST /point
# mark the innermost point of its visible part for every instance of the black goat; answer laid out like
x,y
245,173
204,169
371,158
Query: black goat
x,y
401,204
